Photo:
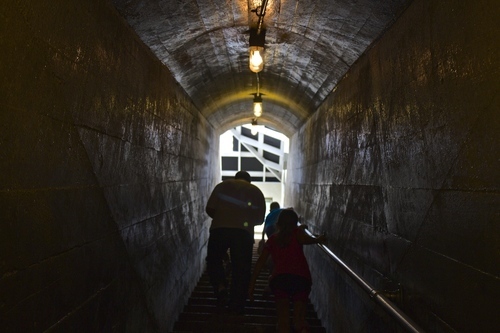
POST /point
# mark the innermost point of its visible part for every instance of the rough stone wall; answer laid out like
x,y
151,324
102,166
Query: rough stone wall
x,y
400,167
105,170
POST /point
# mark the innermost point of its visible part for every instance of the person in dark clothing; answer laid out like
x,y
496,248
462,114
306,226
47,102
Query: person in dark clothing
x,y
235,207
270,221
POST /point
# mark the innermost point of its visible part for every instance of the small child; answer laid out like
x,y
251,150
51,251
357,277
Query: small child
x,y
290,278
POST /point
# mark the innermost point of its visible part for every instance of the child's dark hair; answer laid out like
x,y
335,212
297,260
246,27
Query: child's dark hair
x,y
287,222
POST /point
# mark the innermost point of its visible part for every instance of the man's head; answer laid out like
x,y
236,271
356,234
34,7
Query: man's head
x,y
274,205
243,175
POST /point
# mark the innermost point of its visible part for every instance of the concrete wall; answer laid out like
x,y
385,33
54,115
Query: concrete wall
x,y
400,166
105,168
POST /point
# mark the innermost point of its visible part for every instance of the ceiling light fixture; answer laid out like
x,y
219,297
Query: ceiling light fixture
x,y
257,40
256,49
257,105
257,100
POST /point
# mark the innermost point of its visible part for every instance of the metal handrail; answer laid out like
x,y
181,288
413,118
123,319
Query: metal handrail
x,y
377,296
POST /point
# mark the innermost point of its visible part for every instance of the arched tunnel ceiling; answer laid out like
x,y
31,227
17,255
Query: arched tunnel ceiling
x,y
310,45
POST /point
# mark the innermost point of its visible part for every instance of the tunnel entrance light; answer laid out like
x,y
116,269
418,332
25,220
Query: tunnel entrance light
x,y
255,128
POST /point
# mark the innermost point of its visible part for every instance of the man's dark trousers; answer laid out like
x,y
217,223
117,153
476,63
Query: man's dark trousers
x,y
240,245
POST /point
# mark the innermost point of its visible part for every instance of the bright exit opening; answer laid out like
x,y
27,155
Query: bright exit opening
x,y
263,153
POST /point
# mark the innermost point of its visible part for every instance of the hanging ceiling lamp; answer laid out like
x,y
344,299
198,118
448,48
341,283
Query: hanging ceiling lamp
x,y
257,105
256,58
257,100
254,129
257,40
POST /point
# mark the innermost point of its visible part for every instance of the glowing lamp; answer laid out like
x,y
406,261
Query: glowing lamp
x,y
254,129
256,49
257,106
256,62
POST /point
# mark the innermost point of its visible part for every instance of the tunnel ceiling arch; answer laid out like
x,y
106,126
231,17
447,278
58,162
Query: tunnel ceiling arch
x,y
310,45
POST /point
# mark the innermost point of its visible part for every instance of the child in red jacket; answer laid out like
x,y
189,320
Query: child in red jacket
x,y
290,278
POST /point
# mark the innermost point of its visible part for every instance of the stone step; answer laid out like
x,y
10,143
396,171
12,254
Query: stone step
x,y
258,303
234,324
254,309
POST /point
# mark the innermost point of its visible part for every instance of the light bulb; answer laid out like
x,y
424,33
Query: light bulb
x,y
256,59
256,62
257,109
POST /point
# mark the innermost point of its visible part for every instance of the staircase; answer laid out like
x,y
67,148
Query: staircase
x,y
201,314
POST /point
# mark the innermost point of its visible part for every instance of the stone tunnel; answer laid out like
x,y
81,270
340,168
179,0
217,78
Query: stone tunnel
x,y
107,163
